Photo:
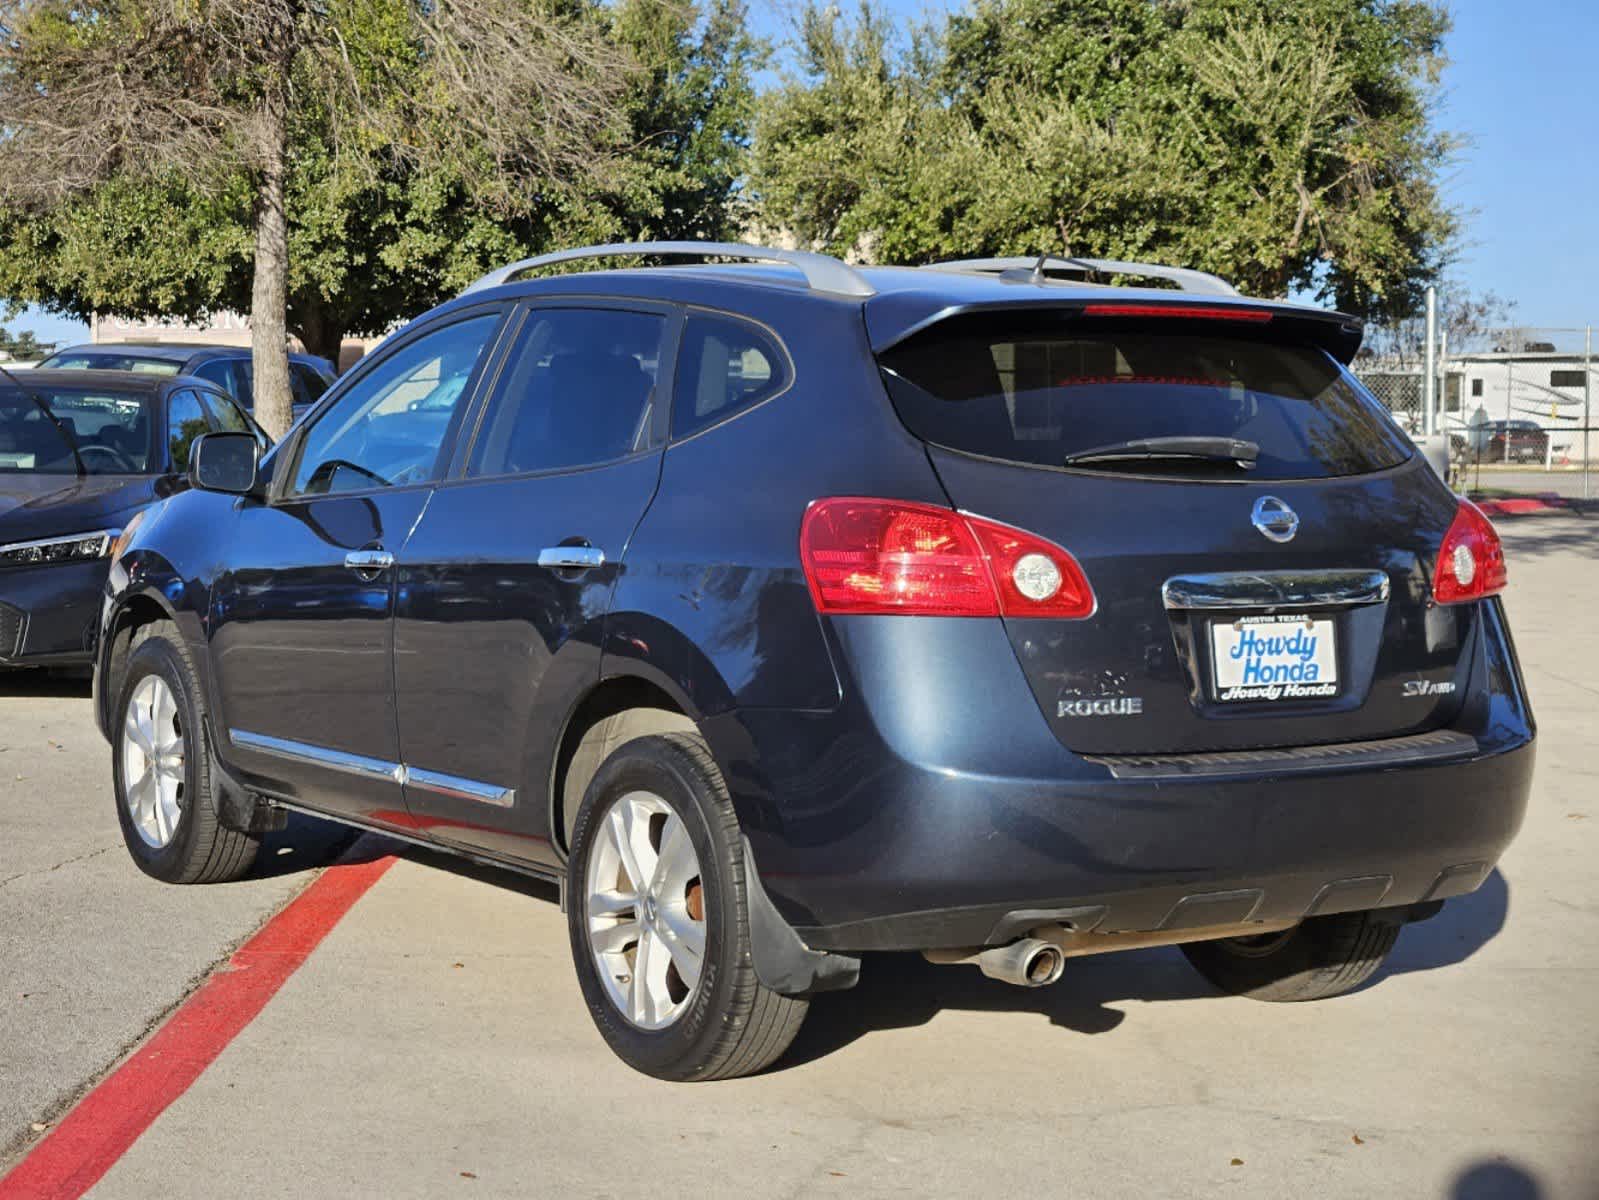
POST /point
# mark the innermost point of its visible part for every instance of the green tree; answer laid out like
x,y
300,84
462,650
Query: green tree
x,y
375,241
233,107
1286,147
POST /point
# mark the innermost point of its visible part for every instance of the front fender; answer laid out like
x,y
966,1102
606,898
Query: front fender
x,y
141,587
152,580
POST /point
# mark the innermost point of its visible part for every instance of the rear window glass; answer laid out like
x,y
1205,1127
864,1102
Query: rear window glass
x,y
1042,397
111,362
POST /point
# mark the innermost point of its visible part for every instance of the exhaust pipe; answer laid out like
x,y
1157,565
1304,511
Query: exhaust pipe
x,y
1027,963
1030,962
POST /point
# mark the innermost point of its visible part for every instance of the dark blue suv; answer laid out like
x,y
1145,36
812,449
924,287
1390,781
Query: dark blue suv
x,y
788,612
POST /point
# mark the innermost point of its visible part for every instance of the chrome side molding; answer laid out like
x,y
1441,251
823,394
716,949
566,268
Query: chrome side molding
x,y
375,768
1275,589
460,789
336,760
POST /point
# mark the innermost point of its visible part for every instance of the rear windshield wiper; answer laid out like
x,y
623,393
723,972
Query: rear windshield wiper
x,y
1200,449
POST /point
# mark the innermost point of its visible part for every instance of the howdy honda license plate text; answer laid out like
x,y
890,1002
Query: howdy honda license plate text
x,y
1280,657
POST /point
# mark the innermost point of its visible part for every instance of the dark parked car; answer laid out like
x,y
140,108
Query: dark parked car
x,y
225,367
785,613
1512,441
80,454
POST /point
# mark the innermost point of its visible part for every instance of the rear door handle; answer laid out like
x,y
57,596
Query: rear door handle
x,y
369,560
572,558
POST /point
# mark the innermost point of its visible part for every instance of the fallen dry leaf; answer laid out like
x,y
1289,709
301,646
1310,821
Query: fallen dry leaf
x,y
1238,1162
39,1126
467,1175
1357,1139
457,965
1576,816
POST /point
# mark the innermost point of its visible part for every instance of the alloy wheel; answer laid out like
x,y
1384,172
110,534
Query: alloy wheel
x,y
153,761
645,910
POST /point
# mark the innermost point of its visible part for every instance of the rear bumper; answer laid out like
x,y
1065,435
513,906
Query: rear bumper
x,y
868,837
1190,857
49,614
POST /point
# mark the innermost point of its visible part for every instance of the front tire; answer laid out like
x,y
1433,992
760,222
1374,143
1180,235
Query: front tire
x,y
659,923
1321,957
160,765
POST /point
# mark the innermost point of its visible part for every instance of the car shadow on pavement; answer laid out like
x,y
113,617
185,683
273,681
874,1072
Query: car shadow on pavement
x,y
35,682
304,844
1466,924
898,991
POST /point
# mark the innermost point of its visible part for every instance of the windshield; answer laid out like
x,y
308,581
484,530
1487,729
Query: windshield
x,y
111,429
1051,393
144,364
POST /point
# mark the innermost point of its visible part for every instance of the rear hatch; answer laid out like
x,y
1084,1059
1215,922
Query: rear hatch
x,y
1259,535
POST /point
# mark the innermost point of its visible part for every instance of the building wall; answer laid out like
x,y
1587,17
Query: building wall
x,y
224,329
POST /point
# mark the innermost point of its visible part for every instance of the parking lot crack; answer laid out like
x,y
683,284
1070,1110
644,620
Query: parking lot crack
x,y
65,862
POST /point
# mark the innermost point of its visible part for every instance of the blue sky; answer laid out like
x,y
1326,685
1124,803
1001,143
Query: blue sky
x,y
1523,90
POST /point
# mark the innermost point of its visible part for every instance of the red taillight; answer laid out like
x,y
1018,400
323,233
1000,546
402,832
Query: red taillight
x,y
1471,561
887,556
1194,312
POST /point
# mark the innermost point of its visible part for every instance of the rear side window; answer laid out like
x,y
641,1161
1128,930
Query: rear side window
x,y
1042,397
221,372
577,389
724,365
307,383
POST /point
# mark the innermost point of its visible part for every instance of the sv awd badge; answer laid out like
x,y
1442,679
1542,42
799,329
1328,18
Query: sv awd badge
x,y
1105,706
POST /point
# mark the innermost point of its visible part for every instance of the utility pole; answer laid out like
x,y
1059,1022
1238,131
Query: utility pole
x,y
1587,395
1429,379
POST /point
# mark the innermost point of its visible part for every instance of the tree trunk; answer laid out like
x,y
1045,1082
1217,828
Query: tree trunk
x,y
269,336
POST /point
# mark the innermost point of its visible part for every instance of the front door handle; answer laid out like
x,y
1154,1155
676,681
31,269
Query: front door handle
x,y
572,558
369,560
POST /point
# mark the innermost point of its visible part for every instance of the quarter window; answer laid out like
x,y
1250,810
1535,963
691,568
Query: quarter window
x,y
725,365
1567,379
387,428
577,390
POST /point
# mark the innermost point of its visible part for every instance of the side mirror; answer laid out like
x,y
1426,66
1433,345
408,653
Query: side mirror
x,y
225,462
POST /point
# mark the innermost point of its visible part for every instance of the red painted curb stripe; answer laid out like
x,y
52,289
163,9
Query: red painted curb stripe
x,y
101,1127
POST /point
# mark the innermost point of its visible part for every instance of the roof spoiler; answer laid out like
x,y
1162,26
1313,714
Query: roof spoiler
x,y
1044,268
894,318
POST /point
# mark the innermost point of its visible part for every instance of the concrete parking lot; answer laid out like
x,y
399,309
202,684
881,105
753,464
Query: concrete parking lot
x,y
435,1042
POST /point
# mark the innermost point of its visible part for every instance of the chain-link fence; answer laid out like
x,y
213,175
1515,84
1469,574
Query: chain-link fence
x,y
1519,408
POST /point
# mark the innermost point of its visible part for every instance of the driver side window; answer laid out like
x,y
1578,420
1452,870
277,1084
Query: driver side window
x,y
386,430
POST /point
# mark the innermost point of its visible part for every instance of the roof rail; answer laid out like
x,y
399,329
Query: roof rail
x,y
1038,268
822,273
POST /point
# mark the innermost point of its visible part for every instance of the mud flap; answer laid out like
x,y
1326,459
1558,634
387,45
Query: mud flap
x,y
238,808
783,962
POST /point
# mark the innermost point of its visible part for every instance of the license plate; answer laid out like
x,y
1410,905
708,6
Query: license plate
x,y
1283,657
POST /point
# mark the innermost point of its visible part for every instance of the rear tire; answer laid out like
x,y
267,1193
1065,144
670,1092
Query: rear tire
x,y
1324,956
161,768
663,1009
